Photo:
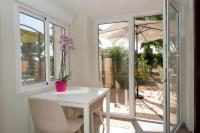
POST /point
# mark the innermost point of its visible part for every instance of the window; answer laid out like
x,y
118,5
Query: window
x,y
40,57
55,58
32,50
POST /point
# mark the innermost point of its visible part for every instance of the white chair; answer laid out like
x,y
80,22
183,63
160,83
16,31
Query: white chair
x,y
48,117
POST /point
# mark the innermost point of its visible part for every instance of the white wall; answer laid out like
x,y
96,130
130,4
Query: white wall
x,y
15,105
1,89
188,64
78,56
50,9
83,58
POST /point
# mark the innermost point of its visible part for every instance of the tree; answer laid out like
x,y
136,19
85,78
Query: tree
x,y
155,18
153,59
27,50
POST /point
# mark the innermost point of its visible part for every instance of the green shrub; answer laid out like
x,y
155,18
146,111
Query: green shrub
x,y
141,71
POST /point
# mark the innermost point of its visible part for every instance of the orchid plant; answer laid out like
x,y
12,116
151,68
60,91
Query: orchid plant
x,y
67,44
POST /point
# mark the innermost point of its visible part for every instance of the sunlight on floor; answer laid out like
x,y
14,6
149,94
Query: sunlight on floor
x,y
131,126
118,126
118,130
153,127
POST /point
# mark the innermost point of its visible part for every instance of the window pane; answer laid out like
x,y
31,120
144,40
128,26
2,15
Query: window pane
x,y
173,66
32,49
114,64
54,50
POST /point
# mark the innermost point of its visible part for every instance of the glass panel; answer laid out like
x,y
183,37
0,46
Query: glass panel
x,y
114,63
32,49
149,67
173,62
55,50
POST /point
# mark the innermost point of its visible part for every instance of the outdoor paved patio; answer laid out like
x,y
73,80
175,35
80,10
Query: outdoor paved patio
x,y
151,107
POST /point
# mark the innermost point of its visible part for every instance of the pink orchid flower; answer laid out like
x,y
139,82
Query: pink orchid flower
x,y
67,43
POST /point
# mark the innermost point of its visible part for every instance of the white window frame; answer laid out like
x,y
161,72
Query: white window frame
x,y
21,8
129,20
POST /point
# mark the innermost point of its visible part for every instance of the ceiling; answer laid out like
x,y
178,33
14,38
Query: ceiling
x,y
107,8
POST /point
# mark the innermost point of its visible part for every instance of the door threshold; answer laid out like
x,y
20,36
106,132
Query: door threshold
x,y
120,116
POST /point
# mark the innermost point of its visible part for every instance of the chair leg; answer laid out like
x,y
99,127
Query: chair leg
x,y
92,122
101,119
101,116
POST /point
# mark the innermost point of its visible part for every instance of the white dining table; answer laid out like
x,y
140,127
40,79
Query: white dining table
x,y
81,97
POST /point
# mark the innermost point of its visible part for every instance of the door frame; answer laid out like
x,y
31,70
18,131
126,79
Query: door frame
x,y
130,19
166,126
131,56
134,17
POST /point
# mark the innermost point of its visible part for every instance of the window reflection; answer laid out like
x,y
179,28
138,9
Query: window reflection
x,y
32,49
54,49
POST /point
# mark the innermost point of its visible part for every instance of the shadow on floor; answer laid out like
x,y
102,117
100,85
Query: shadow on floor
x,y
142,126
133,126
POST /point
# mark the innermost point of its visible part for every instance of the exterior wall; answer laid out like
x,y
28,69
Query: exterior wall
x,y
15,105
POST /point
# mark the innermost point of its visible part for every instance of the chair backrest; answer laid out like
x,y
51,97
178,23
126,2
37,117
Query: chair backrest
x,y
48,116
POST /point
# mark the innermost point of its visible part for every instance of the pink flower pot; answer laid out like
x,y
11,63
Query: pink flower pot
x,y
60,86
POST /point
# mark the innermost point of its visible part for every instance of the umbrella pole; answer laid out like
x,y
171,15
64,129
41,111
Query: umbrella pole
x,y
137,63
138,96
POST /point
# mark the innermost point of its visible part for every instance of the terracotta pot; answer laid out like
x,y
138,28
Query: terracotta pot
x,y
60,86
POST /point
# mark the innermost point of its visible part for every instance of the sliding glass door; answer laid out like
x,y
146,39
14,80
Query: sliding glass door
x,y
173,66
172,105
148,67
114,69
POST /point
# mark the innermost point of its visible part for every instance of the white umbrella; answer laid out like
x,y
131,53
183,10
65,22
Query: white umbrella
x,y
143,28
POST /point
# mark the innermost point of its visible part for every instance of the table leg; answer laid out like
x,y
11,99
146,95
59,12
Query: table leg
x,y
108,112
86,119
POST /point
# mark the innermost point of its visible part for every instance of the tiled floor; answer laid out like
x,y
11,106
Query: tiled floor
x,y
135,126
130,126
